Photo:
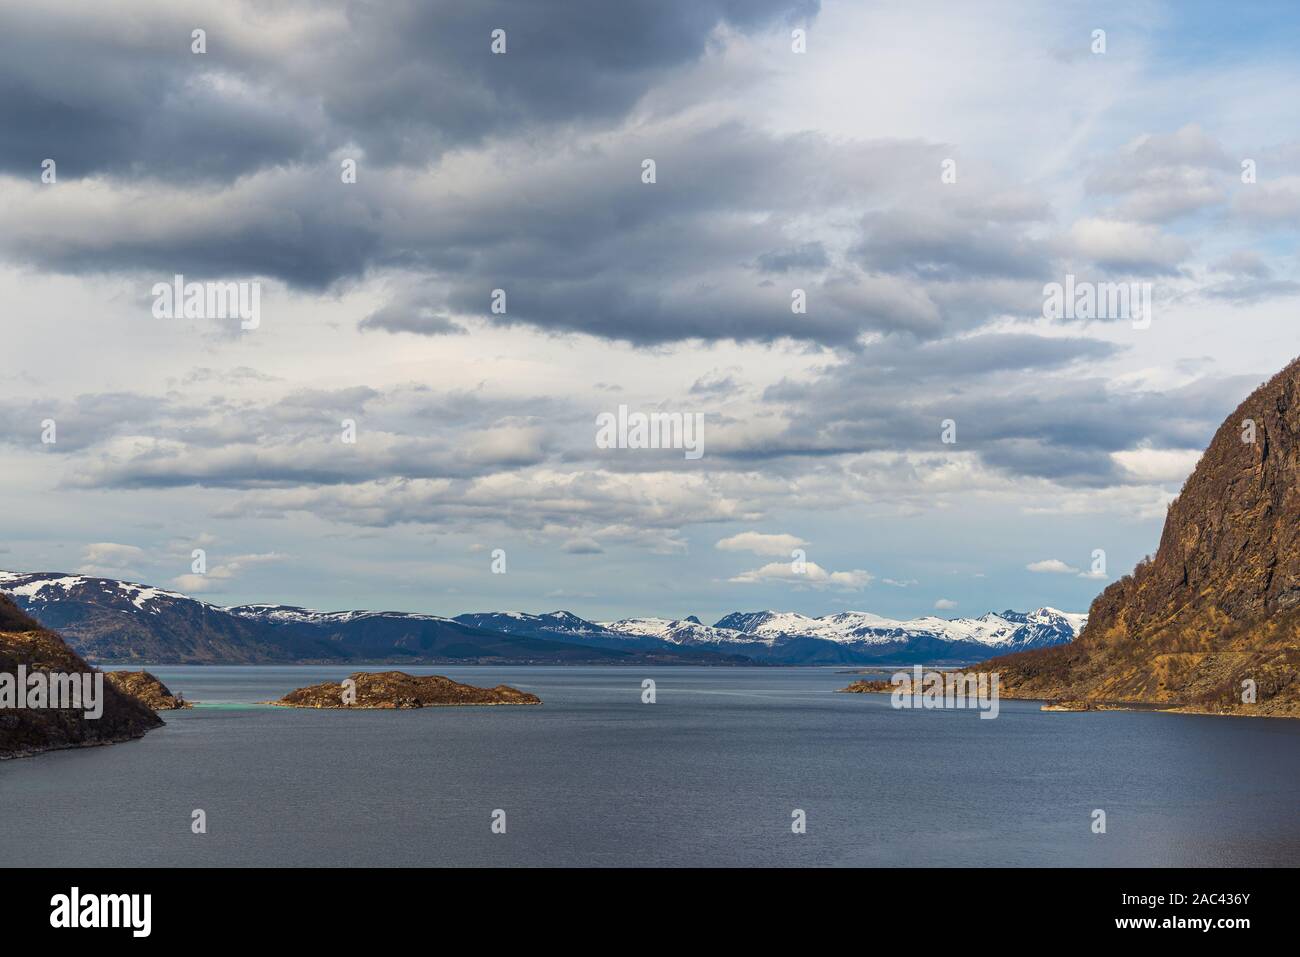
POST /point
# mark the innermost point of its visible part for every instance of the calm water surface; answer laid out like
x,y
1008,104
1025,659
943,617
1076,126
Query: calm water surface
x,y
708,775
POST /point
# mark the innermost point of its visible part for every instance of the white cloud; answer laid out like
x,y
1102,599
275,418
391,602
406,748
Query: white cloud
x,y
219,577
761,543
1127,245
945,604
110,560
1052,566
1157,465
813,575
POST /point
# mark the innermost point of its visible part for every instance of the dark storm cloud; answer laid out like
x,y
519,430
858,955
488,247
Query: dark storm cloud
x,y
568,61
289,227
405,432
944,246
1014,410
716,384
81,422
1009,407
121,94
581,245
108,92
410,315
895,361
804,256
226,165
246,140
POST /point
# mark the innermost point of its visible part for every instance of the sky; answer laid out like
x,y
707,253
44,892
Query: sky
x,y
919,174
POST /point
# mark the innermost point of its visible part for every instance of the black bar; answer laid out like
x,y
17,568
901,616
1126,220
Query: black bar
x,y
912,906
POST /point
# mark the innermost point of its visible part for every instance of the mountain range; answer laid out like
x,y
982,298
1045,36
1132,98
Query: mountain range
x,y
113,621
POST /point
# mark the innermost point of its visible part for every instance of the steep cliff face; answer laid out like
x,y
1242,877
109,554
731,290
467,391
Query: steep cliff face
x,y
1218,605
27,730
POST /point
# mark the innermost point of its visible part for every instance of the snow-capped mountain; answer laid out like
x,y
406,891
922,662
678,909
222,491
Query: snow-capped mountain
x,y
566,626
791,638
115,621
46,588
294,615
109,620
1008,631
558,623
686,631
398,635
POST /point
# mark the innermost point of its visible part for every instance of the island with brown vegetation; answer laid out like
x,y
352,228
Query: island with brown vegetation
x,y
864,686
144,687
397,689
25,731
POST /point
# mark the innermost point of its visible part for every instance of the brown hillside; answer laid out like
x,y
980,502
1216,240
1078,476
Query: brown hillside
x,y
1219,603
26,731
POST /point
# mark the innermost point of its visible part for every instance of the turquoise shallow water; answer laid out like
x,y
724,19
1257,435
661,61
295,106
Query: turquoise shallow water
x,y
708,775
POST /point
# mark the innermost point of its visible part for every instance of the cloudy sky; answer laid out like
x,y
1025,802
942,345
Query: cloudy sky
x,y
921,172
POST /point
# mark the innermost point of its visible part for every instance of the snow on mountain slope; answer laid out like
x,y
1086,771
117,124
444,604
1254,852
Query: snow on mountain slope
x,y
557,623
91,609
42,588
292,614
1007,630
688,631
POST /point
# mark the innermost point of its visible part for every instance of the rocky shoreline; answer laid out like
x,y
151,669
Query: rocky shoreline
x,y
1077,705
146,689
26,731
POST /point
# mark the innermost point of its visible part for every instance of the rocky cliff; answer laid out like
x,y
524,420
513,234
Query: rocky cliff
x,y
25,730
1213,618
146,689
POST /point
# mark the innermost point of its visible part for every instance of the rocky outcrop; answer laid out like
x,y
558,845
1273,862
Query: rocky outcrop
x,y
864,686
1213,618
397,689
25,645
147,689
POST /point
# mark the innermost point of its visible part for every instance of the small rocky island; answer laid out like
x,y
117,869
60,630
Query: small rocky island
x,y
863,686
397,689
145,688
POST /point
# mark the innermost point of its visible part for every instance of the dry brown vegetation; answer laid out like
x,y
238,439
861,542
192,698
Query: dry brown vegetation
x,y
397,689
26,731
144,687
1219,603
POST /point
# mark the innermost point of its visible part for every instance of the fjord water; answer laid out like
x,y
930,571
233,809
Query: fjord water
x,y
707,775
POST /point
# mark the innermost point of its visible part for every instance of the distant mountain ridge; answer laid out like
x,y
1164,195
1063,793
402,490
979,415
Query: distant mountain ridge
x,y
1010,629
115,621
